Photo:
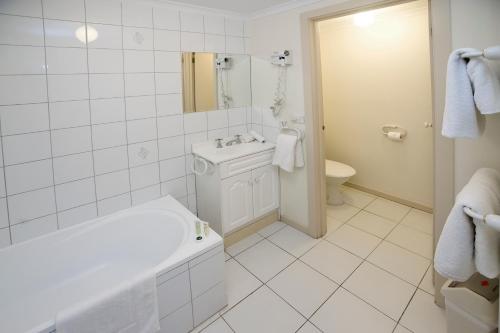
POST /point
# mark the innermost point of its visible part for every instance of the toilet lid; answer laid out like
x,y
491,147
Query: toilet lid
x,y
337,169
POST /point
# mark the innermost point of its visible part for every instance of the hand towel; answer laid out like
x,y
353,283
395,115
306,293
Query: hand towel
x,y
471,86
131,307
284,154
467,246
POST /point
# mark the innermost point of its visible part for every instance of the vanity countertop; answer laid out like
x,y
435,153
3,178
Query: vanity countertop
x,y
209,151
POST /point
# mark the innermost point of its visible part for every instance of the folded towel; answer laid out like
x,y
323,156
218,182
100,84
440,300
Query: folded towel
x,y
131,307
467,246
470,84
284,154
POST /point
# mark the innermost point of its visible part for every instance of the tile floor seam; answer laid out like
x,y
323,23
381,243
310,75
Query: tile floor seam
x,y
232,329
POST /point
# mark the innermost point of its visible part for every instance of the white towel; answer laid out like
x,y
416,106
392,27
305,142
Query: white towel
x,y
470,84
131,307
284,154
299,154
466,247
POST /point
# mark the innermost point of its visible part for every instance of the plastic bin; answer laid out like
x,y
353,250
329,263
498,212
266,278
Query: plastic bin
x,y
471,306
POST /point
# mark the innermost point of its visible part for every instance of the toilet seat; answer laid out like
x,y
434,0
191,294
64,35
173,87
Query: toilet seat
x,y
338,170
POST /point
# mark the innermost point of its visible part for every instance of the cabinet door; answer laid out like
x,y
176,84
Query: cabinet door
x,y
237,201
265,190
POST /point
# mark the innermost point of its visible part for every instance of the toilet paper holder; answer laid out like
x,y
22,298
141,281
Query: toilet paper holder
x,y
394,132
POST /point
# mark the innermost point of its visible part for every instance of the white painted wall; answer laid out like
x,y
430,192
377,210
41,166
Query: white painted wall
x,y
476,24
375,75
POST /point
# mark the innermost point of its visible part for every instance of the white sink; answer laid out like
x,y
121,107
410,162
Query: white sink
x,y
209,151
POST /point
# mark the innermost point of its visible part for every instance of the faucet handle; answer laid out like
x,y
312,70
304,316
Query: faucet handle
x,y
238,138
219,142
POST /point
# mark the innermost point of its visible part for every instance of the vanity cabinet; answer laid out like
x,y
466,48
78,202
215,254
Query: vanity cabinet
x,y
237,192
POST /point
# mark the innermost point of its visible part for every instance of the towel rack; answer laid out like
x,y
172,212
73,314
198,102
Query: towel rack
x,y
490,220
492,53
297,131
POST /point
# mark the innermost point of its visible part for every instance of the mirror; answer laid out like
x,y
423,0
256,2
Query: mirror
x,y
214,81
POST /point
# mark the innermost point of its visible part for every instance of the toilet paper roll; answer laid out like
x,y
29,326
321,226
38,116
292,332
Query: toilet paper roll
x,y
396,136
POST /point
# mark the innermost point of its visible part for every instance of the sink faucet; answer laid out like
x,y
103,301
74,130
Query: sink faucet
x,y
236,140
219,143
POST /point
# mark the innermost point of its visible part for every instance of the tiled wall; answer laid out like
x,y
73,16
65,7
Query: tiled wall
x,y
86,131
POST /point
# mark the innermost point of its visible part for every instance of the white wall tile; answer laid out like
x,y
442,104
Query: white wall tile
x,y
68,87
72,10
26,147
105,61
172,168
194,138
143,176
21,60
73,167
170,126
4,237
3,191
192,22
166,18
110,159
195,122
109,135
218,134
168,83
23,89
215,43
140,107
137,15
71,141
62,33
137,38
138,84
171,147
214,25
146,194
191,184
237,116
16,30
30,205
108,11
107,110
21,7
110,36
111,184
143,153
235,45
65,60
4,216
167,40
18,119
167,61
77,215
234,27
106,85
176,187
139,61
141,130
69,114
24,231
28,176
192,41
167,105
217,119
111,205
75,193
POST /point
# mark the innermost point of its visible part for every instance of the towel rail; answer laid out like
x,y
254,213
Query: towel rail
x,y
492,53
491,220
297,131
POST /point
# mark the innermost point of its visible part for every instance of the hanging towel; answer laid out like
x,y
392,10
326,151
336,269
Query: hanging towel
x,y
129,308
467,246
470,85
299,154
284,154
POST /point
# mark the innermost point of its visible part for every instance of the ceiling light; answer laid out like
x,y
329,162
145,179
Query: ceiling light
x,y
92,34
364,19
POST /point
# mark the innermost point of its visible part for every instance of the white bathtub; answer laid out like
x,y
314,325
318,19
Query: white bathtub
x,y
40,277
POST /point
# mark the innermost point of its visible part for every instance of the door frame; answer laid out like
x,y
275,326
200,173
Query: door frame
x,y
443,149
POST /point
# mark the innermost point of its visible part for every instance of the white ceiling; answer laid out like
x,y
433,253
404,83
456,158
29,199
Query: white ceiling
x,y
244,7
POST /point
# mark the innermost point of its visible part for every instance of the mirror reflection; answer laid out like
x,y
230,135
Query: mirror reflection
x,y
213,81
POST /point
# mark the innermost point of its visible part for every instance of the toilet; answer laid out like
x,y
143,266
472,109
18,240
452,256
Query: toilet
x,y
336,174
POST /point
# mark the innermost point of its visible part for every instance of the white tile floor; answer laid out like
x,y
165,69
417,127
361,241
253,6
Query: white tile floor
x,y
370,273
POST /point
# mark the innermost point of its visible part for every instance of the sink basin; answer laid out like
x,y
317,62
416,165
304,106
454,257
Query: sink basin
x,y
209,151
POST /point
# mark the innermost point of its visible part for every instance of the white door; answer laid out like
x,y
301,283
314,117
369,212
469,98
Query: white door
x,y
265,190
237,201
